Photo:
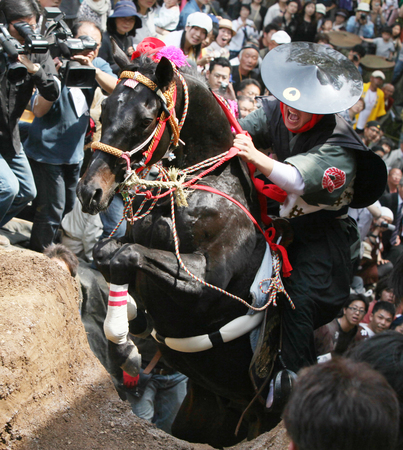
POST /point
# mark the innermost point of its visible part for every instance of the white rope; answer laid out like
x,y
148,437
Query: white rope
x,y
139,147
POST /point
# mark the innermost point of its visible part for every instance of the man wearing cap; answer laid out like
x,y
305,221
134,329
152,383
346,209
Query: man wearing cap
x,y
324,168
220,47
339,23
247,67
279,38
361,24
372,133
374,99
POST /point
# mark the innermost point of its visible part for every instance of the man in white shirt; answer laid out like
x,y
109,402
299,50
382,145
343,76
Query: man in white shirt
x,y
374,99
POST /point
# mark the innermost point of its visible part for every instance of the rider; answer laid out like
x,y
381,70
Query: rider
x,y
324,167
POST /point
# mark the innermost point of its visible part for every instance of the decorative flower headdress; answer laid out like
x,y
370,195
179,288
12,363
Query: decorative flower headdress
x,y
156,49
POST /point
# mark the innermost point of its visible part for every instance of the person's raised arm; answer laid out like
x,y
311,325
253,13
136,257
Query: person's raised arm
x,y
106,82
283,175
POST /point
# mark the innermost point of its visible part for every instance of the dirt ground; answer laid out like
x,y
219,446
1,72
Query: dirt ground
x,y
54,393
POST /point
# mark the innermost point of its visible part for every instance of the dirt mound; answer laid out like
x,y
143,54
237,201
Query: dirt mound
x,y
54,393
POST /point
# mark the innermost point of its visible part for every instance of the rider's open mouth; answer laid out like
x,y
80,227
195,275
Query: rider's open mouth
x,y
292,117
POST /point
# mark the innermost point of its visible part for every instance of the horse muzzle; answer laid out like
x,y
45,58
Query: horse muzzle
x,y
92,197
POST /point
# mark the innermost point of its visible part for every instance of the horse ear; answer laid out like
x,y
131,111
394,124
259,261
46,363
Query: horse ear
x,y
164,74
119,55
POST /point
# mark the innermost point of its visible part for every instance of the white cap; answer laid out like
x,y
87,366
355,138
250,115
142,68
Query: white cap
x,y
321,8
378,73
386,212
201,20
363,7
281,37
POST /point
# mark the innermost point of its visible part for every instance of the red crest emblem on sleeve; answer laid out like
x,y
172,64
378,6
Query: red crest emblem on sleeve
x,y
333,178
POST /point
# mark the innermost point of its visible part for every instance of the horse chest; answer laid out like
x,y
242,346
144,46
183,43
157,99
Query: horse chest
x,y
196,226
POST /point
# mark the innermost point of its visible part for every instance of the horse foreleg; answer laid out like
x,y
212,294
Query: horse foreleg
x,y
122,350
103,252
121,308
123,264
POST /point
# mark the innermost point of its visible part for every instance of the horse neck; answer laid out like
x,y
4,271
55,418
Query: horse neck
x,y
206,131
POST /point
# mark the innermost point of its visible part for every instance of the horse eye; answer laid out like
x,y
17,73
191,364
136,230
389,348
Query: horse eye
x,y
146,122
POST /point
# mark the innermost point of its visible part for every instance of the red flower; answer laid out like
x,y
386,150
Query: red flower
x,y
148,46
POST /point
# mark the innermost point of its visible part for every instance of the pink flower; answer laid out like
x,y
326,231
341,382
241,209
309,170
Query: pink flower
x,y
173,54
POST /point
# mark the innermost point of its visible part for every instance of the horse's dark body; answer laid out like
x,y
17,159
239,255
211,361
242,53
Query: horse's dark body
x,y
218,243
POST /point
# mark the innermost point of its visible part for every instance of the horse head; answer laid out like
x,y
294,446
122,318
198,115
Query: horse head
x,y
148,94
130,116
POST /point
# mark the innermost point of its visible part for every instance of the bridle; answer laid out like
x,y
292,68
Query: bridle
x,y
168,114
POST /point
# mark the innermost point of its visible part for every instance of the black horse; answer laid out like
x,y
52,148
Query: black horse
x,y
217,242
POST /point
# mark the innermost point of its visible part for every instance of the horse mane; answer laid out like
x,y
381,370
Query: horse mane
x,y
146,66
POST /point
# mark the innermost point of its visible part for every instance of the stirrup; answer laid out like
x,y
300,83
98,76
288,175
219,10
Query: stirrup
x,y
280,390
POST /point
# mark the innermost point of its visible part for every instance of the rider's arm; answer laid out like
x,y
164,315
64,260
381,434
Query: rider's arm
x,y
283,175
287,177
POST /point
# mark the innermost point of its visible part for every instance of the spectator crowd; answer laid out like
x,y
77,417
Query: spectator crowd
x,y
43,155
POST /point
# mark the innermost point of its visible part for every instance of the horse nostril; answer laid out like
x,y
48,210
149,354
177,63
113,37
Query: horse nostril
x,y
96,198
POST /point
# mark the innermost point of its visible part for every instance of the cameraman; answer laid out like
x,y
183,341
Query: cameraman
x,y
17,186
55,144
361,24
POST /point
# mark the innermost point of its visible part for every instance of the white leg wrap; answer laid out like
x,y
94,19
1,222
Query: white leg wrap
x,y
116,326
131,308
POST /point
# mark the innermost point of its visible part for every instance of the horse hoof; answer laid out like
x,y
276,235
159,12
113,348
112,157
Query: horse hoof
x,y
126,356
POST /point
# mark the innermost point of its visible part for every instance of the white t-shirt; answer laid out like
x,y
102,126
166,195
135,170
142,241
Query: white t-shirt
x,y
367,331
167,18
370,102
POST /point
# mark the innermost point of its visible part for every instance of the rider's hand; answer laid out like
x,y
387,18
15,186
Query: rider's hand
x,y
247,151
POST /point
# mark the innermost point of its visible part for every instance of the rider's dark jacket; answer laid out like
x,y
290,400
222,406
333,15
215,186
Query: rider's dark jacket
x,y
338,171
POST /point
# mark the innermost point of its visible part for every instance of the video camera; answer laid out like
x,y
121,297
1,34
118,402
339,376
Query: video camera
x,y
58,39
63,45
34,43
